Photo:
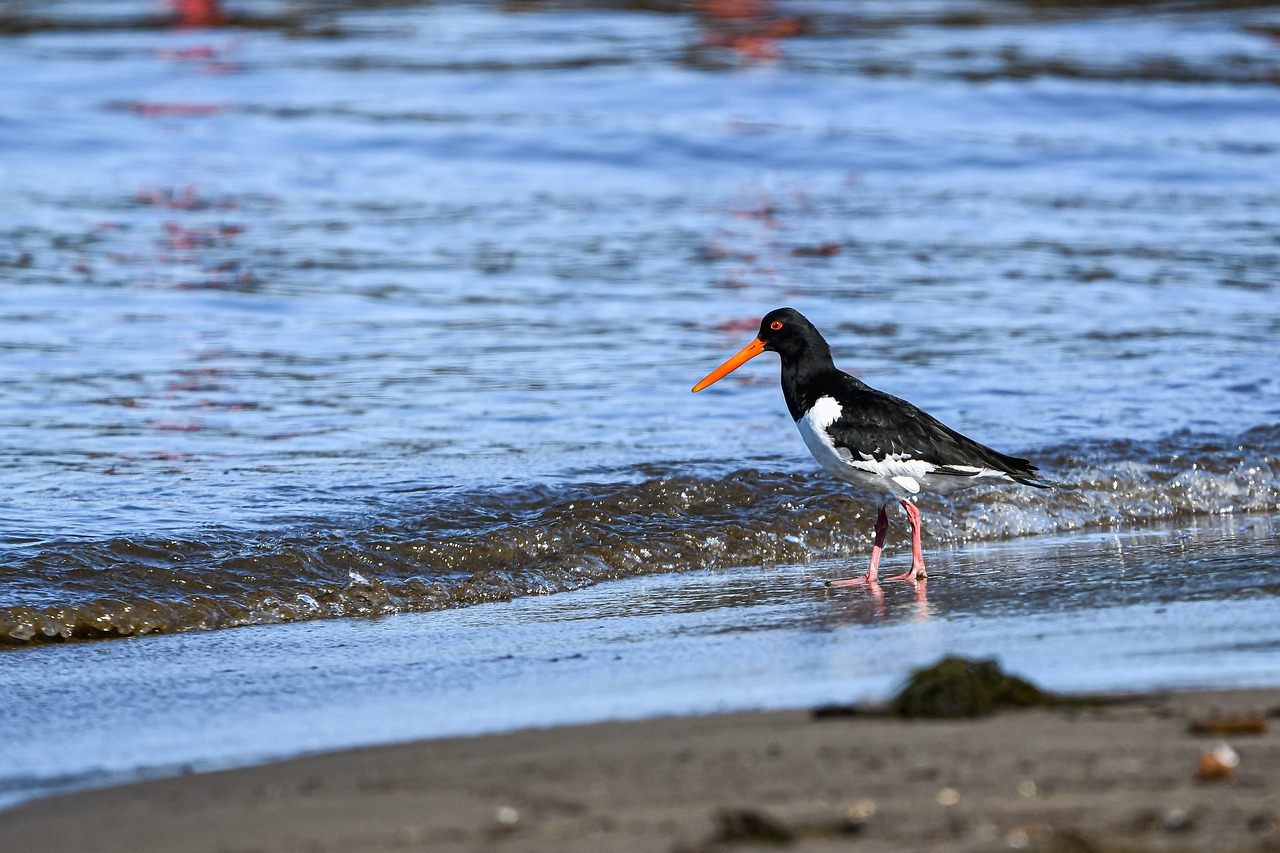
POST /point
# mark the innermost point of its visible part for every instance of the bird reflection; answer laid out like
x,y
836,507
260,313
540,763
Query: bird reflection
x,y
920,610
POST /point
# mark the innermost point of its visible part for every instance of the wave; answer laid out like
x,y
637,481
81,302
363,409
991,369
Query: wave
x,y
439,550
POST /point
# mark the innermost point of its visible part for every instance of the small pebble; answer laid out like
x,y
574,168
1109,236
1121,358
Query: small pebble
x,y
1218,762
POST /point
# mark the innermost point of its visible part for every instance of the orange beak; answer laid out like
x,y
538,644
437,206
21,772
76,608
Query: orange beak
x,y
744,355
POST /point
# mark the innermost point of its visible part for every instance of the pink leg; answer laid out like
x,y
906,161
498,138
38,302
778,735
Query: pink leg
x,y
882,528
917,553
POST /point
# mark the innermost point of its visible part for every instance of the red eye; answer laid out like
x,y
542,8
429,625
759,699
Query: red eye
x,y
776,325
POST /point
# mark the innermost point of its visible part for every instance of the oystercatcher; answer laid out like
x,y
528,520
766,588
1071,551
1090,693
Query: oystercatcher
x,y
868,438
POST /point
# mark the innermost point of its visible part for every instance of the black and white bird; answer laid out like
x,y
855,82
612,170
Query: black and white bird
x,y
868,438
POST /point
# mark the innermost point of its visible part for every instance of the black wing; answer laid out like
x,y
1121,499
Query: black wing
x,y
881,424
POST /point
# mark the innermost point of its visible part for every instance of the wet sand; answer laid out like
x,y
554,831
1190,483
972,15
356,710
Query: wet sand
x,y
1120,776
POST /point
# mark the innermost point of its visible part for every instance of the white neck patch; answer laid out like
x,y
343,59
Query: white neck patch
x,y
824,413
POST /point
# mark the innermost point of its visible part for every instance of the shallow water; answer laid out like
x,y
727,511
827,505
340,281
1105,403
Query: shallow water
x,y
338,310
1191,605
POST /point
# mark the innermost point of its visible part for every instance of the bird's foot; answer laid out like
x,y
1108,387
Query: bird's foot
x,y
865,580
869,579
915,573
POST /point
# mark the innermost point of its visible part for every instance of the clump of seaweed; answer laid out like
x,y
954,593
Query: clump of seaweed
x,y
960,687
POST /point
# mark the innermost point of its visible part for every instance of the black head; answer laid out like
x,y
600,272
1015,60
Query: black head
x,y
788,332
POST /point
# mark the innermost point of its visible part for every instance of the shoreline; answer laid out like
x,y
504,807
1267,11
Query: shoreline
x,y
1092,776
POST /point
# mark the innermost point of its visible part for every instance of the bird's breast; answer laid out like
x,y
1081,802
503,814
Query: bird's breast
x,y
813,429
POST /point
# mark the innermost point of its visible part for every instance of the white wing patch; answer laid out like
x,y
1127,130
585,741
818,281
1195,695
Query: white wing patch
x,y
898,467
973,471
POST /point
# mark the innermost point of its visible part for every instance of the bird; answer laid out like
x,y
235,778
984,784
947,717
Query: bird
x,y
870,439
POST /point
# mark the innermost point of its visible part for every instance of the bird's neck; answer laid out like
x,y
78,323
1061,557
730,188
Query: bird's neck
x,y
803,375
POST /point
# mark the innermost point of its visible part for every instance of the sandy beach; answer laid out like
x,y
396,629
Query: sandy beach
x,y
1121,776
